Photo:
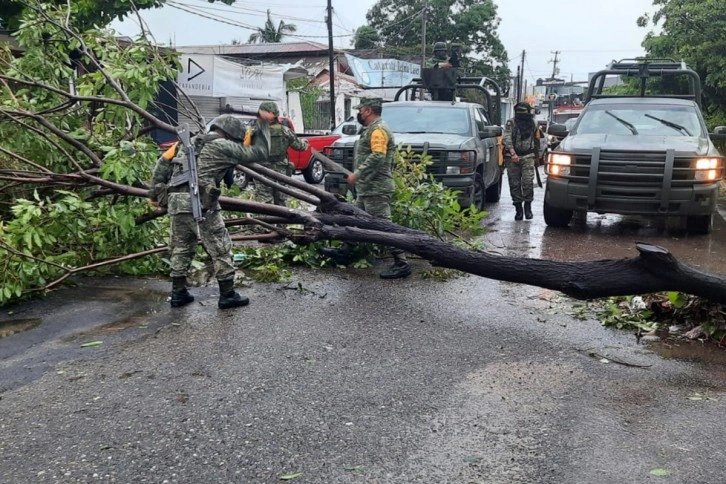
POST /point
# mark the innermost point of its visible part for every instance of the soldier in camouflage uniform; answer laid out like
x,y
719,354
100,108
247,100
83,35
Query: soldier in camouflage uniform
x,y
281,138
216,152
373,178
521,150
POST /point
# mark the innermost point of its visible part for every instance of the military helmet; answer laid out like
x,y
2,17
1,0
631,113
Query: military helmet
x,y
522,107
270,107
230,125
440,48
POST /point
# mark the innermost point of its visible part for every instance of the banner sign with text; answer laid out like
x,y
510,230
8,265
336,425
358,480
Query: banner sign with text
x,y
214,76
382,72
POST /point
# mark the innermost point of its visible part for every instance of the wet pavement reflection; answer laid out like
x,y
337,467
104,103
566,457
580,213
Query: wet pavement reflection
x,y
599,236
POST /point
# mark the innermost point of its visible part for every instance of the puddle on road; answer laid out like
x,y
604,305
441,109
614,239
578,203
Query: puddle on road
x,y
15,326
707,354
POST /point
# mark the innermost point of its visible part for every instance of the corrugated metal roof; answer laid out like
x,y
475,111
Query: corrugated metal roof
x,y
305,46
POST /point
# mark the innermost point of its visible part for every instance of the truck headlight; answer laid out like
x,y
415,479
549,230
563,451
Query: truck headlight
x,y
461,157
559,164
708,169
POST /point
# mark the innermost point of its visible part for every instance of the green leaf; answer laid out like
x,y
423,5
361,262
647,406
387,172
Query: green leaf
x,y
91,344
289,477
661,472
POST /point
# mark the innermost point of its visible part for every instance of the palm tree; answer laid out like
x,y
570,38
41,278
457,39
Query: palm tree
x,y
269,34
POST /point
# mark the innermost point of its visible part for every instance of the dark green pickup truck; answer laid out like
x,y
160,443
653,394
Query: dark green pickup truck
x,y
637,154
460,137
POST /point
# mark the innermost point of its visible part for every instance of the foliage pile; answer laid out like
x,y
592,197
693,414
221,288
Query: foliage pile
x,y
661,311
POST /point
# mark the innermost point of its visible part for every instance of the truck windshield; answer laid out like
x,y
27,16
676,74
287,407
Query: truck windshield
x,y
641,120
445,119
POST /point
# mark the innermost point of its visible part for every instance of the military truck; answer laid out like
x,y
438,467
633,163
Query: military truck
x,y
646,153
460,137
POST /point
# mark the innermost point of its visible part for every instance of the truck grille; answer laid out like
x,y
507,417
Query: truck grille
x,y
633,182
634,169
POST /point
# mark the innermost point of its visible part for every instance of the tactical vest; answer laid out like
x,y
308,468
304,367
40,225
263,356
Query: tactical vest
x,y
524,145
278,143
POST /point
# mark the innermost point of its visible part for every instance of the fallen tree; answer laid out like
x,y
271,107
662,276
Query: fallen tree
x,y
72,178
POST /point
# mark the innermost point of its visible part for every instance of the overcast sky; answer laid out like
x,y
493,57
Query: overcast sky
x,y
588,34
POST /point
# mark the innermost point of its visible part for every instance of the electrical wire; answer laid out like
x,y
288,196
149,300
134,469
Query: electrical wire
x,y
191,10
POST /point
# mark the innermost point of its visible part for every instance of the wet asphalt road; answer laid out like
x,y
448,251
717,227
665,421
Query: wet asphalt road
x,y
348,379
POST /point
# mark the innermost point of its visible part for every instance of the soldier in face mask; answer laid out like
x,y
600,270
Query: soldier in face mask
x,y
281,138
521,149
373,178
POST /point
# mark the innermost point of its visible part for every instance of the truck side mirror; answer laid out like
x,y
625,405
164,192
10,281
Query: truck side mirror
x,y
719,134
558,130
350,129
490,132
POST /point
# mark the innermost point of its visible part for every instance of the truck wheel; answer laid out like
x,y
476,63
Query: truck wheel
x,y
479,192
315,172
494,192
699,224
556,217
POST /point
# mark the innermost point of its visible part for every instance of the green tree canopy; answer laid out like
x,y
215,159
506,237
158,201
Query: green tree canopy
x,y
85,13
271,34
470,23
693,31
365,37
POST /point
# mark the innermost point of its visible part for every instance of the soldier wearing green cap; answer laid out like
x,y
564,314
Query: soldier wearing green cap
x,y
373,177
281,138
217,151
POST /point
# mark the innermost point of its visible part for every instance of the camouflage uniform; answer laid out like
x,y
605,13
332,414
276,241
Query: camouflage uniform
x,y
281,138
215,155
521,174
374,158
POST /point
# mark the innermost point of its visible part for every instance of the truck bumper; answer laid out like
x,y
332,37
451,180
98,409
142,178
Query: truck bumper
x,y
462,184
699,199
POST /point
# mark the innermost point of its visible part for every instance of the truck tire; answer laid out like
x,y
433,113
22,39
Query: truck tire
x,y
479,195
699,224
494,191
315,171
556,217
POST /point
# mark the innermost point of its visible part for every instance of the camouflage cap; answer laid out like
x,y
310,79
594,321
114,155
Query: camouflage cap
x,y
368,102
270,107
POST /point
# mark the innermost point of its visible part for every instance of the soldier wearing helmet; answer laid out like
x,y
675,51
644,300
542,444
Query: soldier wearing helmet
x,y
521,148
216,152
281,138
441,56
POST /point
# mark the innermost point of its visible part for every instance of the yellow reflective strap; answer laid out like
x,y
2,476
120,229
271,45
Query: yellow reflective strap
x,y
248,138
171,152
379,141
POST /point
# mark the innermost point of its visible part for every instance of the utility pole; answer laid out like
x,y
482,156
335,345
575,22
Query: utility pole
x,y
522,92
518,85
331,66
554,64
423,34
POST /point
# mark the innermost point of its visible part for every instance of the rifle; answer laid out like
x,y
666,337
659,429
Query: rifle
x,y
189,174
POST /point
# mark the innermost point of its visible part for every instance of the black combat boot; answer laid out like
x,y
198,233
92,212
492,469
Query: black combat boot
x,y
228,297
179,294
519,214
400,268
528,210
342,255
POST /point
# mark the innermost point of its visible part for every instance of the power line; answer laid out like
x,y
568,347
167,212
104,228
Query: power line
x,y
240,24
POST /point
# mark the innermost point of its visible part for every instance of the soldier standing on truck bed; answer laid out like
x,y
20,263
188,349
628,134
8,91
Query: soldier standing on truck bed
x,y
373,178
521,150
281,138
